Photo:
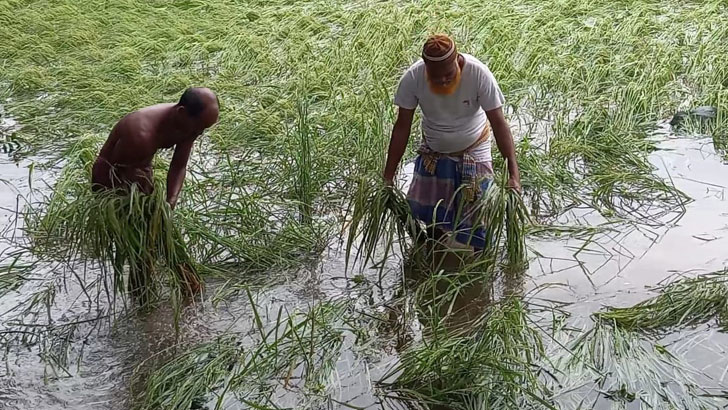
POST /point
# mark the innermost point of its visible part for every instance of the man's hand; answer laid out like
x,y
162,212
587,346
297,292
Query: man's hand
x,y
172,202
388,180
514,182
504,140
177,169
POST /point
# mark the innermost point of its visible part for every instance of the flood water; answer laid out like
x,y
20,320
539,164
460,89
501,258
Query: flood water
x,y
629,261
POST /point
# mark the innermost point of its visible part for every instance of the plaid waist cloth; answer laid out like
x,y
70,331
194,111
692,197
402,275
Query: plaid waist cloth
x,y
469,183
445,190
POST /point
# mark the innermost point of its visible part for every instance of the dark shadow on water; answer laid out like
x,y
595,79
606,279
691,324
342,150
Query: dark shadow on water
x,y
456,284
450,290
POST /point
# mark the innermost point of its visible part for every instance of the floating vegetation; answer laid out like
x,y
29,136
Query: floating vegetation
x,y
516,227
626,368
490,364
686,302
298,351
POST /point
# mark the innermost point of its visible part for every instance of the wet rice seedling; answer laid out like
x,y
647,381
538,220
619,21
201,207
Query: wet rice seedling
x,y
298,352
686,302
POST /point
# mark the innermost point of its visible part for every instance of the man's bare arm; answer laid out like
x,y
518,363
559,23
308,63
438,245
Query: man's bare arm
x,y
504,140
177,170
398,143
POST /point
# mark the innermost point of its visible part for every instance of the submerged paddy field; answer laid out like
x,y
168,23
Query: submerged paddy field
x,y
315,296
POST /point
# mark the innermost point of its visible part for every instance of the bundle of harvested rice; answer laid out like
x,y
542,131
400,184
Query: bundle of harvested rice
x,y
502,211
381,216
114,229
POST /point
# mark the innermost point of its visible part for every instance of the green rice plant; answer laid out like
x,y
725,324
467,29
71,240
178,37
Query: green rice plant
x,y
15,272
302,162
185,381
380,216
686,302
517,219
628,370
249,224
506,223
492,364
450,296
298,352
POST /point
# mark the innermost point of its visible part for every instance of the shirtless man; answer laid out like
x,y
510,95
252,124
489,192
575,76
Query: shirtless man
x,y
126,157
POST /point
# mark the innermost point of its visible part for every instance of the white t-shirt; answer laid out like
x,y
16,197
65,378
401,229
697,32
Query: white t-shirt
x,y
452,123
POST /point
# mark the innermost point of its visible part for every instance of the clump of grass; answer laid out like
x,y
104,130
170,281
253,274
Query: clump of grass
x,y
298,352
114,229
626,368
185,382
492,364
686,302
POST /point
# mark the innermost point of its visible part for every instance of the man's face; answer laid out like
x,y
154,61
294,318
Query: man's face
x,y
209,117
206,119
443,77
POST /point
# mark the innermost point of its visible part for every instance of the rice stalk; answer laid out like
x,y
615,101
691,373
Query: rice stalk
x,y
380,216
686,302
296,351
626,368
492,363
15,272
517,220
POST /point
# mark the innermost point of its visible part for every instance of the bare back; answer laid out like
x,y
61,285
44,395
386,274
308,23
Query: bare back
x,y
139,135
131,147
126,157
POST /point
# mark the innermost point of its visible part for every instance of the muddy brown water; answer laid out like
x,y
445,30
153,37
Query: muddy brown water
x,y
634,260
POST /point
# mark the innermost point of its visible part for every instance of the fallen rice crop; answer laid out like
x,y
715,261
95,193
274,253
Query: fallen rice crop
x,y
686,302
298,351
306,109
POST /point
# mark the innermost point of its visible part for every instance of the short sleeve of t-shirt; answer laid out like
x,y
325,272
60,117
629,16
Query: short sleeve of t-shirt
x,y
406,96
490,95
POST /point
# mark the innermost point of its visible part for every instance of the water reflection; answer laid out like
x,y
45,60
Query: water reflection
x,y
454,286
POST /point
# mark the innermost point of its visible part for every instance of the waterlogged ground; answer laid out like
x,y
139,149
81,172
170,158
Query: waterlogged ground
x,y
615,270
306,92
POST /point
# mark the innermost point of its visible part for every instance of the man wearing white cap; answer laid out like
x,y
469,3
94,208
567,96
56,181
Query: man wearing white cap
x,y
460,102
